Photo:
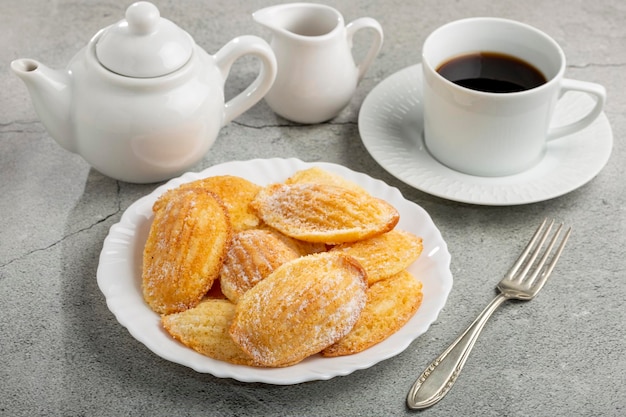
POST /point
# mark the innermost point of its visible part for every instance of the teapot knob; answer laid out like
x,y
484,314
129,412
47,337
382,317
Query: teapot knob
x,y
142,17
144,45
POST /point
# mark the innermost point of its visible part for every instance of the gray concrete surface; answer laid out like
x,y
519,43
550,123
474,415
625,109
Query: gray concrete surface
x,y
62,353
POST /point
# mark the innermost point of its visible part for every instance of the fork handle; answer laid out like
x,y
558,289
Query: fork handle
x,y
437,379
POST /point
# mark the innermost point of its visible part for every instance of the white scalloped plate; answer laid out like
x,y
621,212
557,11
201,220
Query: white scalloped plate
x,y
390,124
119,278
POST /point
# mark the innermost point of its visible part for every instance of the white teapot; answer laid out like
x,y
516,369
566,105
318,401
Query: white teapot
x,y
142,102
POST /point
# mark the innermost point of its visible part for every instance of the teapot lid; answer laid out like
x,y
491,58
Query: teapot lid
x,y
144,45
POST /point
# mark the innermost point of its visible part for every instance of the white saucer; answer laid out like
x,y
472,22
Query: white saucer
x,y
390,124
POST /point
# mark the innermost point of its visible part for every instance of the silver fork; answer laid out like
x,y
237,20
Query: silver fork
x,y
519,283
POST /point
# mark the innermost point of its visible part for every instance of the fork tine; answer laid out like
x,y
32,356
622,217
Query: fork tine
x,y
531,244
555,257
535,284
529,264
539,267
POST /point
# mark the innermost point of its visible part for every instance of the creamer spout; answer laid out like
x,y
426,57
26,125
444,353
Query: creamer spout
x,y
289,19
266,17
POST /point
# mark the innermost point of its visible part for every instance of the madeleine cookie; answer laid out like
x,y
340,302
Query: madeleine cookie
x,y
390,304
301,308
384,255
317,175
204,329
252,256
236,193
323,213
185,249
300,246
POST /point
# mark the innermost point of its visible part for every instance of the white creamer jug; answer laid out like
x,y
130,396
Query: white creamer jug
x,y
317,75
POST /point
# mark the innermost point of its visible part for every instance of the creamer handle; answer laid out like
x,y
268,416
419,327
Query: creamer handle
x,y
377,41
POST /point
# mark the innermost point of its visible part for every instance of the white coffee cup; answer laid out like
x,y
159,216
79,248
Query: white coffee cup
x,y
491,133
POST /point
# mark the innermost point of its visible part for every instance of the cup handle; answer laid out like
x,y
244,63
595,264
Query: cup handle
x,y
377,42
226,57
592,89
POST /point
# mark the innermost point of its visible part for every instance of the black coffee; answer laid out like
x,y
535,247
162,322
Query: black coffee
x,y
492,72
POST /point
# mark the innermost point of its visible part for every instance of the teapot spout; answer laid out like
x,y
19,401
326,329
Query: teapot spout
x,y
50,92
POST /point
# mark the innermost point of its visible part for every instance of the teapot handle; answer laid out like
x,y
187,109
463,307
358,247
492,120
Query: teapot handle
x,y
226,57
377,41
